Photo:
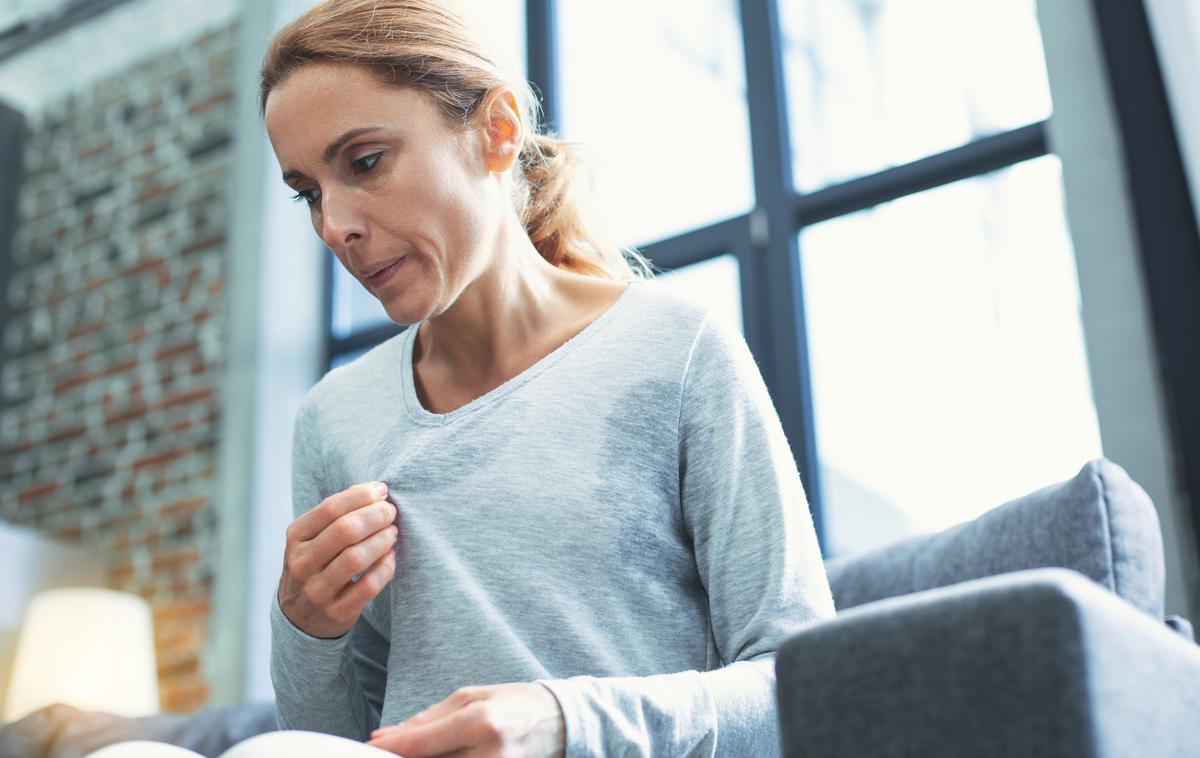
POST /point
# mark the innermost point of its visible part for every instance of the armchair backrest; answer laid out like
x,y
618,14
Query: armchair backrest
x,y
1099,523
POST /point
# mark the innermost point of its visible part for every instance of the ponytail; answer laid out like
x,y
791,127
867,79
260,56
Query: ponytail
x,y
553,205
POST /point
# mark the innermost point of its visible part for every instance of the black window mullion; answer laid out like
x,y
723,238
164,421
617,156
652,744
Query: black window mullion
x,y
975,158
697,246
541,56
12,133
330,351
364,338
777,332
1165,223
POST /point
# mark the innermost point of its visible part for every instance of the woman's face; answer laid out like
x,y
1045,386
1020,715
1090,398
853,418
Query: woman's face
x,y
386,177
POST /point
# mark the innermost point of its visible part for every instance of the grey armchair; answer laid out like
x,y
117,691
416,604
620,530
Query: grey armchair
x,y
1036,630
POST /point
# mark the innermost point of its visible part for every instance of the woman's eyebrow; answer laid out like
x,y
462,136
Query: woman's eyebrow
x,y
336,145
333,148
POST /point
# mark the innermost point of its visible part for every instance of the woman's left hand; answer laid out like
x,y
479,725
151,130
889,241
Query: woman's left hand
x,y
503,719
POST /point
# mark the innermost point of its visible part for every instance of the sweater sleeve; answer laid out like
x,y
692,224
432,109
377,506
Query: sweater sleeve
x,y
758,560
334,685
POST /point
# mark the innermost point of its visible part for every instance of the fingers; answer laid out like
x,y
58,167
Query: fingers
x,y
315,521
356,558
348,603
348,530
460,698
461,728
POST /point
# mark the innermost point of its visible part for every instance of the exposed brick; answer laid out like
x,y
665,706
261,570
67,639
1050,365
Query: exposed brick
x,y
179,426
189,609
85,329
149,539
135,411
184,694
148,173
123,519
157,191
37,492
209,102
187,398
173,351
148,264
75,381
179,666
120,367
127,185
160,458
203,244
70,532
65,434
97,150
175,558
162,481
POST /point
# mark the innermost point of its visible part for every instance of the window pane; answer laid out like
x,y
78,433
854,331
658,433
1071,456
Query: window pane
x,y
947,354
501,24
877,84
656,94
714,284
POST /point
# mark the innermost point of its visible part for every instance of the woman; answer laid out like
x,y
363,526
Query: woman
x,y
557,515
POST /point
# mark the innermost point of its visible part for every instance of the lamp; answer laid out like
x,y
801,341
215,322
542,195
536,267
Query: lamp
x,y
88,647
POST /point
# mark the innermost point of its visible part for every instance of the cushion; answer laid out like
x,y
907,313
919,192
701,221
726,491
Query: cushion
x,y
1100,523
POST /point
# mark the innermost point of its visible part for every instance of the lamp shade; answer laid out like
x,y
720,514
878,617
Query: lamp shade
x,y
91,648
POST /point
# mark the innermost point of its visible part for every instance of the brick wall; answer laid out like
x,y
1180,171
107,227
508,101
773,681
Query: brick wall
x,y
109,396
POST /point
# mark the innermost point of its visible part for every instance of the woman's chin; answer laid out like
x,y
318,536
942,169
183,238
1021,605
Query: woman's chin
x,y
401,309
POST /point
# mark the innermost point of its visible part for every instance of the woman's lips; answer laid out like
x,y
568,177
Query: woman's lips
x,y
387,273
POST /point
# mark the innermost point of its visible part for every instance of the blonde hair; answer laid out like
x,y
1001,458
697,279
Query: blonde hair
x,y
426,44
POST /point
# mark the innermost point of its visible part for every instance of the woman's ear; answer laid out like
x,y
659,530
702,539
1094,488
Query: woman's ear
x,y
503,129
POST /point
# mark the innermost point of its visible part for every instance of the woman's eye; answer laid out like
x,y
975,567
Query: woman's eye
x,y
309,196
365,163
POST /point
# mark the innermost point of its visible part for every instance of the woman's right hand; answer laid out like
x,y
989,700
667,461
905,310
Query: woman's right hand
x,y
349,532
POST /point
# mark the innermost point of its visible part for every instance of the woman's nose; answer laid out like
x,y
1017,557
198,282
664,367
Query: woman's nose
x,y
341,223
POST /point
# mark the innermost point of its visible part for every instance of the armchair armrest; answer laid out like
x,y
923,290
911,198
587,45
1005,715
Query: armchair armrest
x,y
1033,663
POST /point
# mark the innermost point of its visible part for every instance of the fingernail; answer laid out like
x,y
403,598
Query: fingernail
x,y
381,489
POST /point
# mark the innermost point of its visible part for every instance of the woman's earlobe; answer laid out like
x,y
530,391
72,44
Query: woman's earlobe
x,y
504,136
504,144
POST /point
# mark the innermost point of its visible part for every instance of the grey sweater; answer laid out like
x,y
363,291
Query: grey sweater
x,y
622,522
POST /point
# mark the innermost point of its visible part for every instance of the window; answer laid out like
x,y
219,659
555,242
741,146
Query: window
x,y
655,93
863,187
882,83
947,354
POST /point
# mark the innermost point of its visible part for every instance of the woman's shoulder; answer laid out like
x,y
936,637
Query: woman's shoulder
x,y
666,307
692,317
355,377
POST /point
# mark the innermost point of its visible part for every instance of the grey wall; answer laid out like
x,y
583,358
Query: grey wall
x,y
1120,344
1175,25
